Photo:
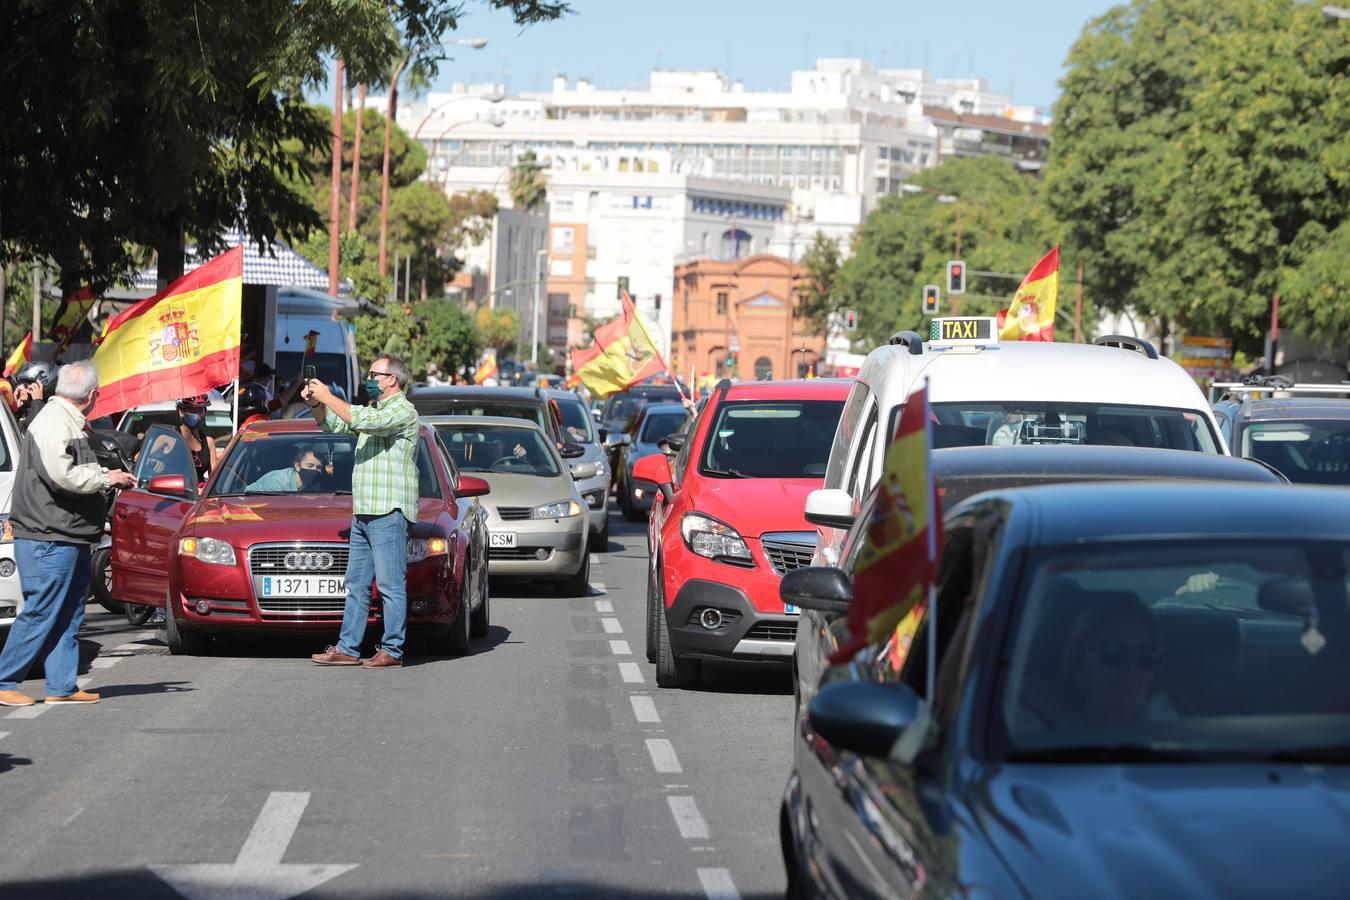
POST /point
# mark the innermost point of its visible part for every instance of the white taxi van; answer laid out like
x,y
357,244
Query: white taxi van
x,y
1115,391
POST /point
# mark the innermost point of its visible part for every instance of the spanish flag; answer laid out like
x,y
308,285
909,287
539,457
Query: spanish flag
x,y
486,369
898,560
1031,317
71,314
179,343
20,357
623,354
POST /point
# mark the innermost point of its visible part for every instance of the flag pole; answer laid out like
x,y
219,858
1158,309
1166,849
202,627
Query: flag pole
x,y
235,403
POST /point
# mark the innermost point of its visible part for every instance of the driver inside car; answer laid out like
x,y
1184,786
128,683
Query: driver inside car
x,y
303,474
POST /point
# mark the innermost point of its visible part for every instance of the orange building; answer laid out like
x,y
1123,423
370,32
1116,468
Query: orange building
x,y
743,309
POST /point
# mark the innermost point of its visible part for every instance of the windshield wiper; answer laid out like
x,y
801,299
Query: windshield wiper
x,y
725,473
1109,753
1331,753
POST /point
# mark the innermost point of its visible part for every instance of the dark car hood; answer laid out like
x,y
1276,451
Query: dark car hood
x,y
291,517
1169,830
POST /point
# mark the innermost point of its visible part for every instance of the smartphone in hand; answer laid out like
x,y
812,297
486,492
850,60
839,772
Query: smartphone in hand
x,y
311,373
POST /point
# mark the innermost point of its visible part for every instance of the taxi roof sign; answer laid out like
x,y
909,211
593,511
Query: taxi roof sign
x,y
957,331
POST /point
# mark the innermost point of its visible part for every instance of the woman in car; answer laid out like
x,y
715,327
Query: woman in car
x,y
1112,655
192,426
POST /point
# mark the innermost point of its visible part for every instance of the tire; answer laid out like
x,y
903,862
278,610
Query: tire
x,y
136,614
671,670
654,606
482,616
100,582
455,642
579,584
182,643
602,536
630,512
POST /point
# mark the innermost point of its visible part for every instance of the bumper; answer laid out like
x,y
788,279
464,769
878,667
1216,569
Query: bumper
x,y
542,554
742,632
595,491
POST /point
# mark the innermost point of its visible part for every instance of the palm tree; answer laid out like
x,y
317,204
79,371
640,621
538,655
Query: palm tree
x,y
528,187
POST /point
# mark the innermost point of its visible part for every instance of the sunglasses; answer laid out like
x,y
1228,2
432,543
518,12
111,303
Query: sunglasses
x,y
373,374
1117,654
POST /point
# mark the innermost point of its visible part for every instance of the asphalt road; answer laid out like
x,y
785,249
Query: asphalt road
x,y
546,763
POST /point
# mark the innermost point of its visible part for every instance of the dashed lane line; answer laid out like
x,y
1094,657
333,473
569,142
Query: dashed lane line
x,y
690,822
599,586
29,712
630,673
611,625
717,884
604,606
663,756
644,708
620,648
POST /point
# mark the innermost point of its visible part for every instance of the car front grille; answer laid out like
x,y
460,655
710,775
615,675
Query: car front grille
x,y
513,513
316,606
785,556
515,552
773,631
270,559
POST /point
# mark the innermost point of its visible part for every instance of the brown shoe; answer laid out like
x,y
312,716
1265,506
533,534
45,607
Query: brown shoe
x,y
79,697
382,660
335,657
15,698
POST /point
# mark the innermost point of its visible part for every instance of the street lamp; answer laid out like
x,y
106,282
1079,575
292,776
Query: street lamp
x,y
492,97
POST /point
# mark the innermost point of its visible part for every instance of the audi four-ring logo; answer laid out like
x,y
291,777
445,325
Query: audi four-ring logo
x,y
307,561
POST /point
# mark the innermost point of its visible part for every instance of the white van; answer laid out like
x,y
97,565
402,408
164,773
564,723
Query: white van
x,y
11,591
1117,390
299,311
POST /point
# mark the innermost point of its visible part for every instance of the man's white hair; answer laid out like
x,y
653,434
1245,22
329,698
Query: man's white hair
x,y
77,380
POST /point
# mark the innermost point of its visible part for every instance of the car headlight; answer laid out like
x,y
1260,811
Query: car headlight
x,y
207,550
560,509
420,548
708,537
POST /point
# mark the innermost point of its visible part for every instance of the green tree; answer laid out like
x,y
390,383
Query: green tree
x,y
527,184
449,337
358,262
1201,160
498,329
815,292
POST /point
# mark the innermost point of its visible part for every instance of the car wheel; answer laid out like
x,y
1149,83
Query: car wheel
x,y
654,606
630,512
482,616
183,643
100,582
602,536
578,585
671,670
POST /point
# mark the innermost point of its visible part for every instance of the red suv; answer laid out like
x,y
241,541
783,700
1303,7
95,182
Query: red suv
x,y
727,524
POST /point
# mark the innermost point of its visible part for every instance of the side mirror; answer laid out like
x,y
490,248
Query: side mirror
x,y
822,588
830,507
676,441
872,719
571,450
616,439
471,486
595,413
171,485
582,471
655,469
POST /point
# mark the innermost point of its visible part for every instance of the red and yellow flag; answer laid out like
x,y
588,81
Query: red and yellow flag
x,y
21,356
71,313
486,369
898,559
179,343
623,354
1031,317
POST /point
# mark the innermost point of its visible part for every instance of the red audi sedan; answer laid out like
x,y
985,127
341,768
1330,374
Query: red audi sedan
x,y
262,546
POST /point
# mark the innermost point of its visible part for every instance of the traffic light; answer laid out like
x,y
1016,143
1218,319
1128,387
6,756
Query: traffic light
x,y
850,320
956,277
931,294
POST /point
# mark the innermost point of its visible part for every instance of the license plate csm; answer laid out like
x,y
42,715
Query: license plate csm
x,y
501,539
304,586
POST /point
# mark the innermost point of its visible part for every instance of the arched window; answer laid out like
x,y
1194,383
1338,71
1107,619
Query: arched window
x,y
763,369
735,243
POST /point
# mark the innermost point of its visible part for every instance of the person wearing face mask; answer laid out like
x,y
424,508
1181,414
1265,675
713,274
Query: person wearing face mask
x,y
303,474
384,503
192,426
57,515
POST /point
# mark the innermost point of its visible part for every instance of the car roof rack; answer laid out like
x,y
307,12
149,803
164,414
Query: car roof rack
x,y
1127,342
909,340
1269,384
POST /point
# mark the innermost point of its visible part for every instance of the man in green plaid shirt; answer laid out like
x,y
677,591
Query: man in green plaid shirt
x,y
384,501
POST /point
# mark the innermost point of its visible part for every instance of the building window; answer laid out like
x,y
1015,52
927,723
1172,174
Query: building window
x,y
721,303
735,243
657,300
562,240
763,369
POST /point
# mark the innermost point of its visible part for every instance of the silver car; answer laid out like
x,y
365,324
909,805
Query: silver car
x,y
537,521
11,591
579,426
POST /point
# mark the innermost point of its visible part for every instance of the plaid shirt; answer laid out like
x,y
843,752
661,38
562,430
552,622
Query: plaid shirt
x,y
385,477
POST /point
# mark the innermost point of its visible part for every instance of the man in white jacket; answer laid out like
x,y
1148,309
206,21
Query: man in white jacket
x,y
57,515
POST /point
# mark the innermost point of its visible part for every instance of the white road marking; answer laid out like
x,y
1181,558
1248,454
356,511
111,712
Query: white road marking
x,y
630,672
604,606
612,625
29,712
644,708
3,735
717,884
620,648
258,870
688,819
105,662
663,756
599,586
83,682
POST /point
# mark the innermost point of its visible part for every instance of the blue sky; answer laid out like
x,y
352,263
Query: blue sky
x,y
1015,47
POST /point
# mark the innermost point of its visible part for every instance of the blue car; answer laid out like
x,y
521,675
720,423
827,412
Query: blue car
x,y
654,423
1137,690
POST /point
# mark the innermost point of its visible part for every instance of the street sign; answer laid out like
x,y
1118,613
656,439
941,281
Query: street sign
x,y
850,320
1207,357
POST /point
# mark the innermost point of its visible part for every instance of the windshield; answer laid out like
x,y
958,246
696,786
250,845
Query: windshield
x,y
138,421
577,422
660,425
1186,648
332,368
621,406
1005,424
771,439
500,448
1306,452
472,406
307,463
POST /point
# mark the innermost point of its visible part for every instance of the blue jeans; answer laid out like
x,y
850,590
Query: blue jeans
x,y
55,577
378,552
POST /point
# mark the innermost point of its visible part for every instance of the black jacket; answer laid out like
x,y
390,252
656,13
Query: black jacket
x,y
58,481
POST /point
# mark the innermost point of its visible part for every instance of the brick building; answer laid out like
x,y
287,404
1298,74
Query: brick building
x,y
740,308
